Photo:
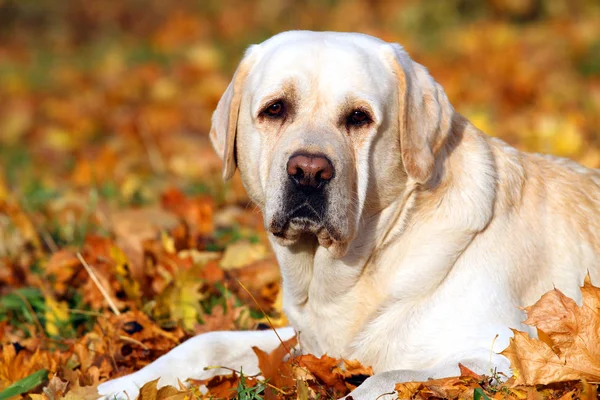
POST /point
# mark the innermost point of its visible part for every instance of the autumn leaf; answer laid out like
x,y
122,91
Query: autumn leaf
x,y
242,253
24,385
104,150
224,386
149,391
571,349
325,370
77,392
272,365
57,315
56,388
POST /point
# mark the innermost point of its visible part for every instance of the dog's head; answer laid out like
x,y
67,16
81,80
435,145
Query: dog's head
x,y
327,128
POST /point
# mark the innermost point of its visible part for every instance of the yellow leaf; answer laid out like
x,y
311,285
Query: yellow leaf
x,y
57,313
130,285
186,304
168,242
242,253
3,188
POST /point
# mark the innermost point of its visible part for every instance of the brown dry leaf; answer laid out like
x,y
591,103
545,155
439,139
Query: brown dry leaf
x,y
149,391
23,222
81,393
211,273
171,393
56,388
223,386
353,368
62,265
197,212
272,366
260,281
571,350
220,318
447,388
464,371
589,391
133,226
325,369
116,122
15,366
407,390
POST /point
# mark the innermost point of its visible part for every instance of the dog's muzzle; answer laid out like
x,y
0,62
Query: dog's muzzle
x,y
305,198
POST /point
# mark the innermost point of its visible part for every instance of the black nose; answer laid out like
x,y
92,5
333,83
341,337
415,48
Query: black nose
x,y
309,171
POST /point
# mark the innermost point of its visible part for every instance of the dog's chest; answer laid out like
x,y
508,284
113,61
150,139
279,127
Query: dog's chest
x,y
325,328
329,305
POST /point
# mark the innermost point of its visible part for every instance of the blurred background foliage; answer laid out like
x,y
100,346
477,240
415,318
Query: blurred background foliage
x,y
108,104
105,108
74,74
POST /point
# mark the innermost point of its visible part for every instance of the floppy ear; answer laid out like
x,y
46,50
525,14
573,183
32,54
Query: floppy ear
x,y
225,117
425,115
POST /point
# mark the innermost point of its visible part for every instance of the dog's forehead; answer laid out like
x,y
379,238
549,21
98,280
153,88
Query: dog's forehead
x,y
338,62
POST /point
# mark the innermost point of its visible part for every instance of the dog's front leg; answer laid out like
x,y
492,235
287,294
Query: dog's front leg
x,y
381,386
188,360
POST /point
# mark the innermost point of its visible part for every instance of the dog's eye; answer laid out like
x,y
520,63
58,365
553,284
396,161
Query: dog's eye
x,y
275,110
358,118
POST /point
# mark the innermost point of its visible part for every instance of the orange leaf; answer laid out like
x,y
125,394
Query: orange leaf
x,y
272,366
464,371
571,349
149,391
325,369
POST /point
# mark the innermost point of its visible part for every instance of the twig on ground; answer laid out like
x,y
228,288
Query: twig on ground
x,y
89,270
132,340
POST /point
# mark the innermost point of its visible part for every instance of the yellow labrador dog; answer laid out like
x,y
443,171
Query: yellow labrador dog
x,y
407,238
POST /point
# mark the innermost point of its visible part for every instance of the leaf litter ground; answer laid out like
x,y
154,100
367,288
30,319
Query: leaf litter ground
x,y
118,240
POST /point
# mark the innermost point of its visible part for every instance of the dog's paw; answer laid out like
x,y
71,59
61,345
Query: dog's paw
x,y
126,387
119,389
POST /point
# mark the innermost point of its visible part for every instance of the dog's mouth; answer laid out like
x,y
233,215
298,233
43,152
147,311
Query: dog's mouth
x,y
301,222
303,219
306,217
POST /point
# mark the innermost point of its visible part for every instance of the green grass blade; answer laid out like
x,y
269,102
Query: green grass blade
x,y
479,394
24,385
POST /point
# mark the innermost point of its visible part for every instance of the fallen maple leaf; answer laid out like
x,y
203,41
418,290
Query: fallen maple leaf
x,y
149,391
448,388
272,366
81,393
570,349
325,370
224,386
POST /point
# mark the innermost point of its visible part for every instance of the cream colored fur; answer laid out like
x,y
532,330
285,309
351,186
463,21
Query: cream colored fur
x,y
436,233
